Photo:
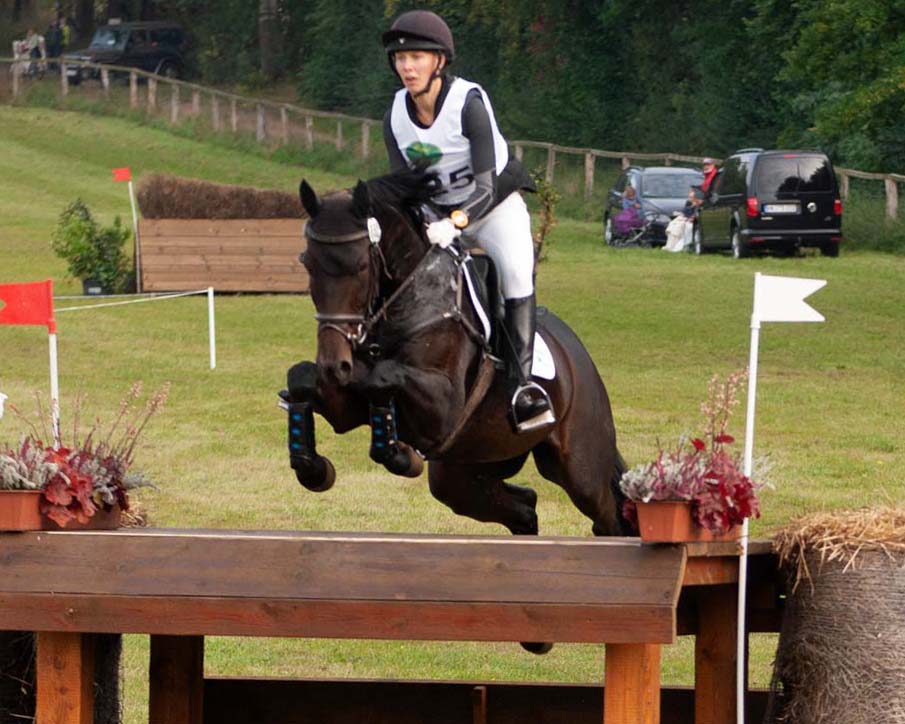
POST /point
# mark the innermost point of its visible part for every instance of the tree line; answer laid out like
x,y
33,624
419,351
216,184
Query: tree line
x,y
692,76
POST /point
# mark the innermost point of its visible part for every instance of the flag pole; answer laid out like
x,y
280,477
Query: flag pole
x,y
137,245
741,633
210,326
54,370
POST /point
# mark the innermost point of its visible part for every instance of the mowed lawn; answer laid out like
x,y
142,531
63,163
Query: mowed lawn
x,y
831,396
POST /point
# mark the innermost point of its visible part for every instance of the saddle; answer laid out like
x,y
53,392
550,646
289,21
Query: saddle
x,y
482,279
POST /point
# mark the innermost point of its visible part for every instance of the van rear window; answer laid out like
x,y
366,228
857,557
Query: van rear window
x,y
790,174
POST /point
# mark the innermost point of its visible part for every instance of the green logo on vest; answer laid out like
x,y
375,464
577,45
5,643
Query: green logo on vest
x,y
423,153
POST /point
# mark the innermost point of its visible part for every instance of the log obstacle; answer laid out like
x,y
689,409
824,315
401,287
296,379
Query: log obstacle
x,y
179,586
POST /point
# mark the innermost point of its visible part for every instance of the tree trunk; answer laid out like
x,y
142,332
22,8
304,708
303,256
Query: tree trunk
x,y
269,38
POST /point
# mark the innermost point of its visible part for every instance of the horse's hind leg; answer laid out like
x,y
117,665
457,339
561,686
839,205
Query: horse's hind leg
x,y
589,474
479,491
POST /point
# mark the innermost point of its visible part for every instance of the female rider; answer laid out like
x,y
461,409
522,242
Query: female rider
x,y
446,125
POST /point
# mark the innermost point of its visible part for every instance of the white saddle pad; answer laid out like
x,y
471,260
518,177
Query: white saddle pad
x,y
543,365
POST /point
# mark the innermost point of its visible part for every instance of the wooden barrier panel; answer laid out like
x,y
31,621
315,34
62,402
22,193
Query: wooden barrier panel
x,y
230,255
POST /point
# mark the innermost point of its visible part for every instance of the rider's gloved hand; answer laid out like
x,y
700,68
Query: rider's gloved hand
x,y
442,232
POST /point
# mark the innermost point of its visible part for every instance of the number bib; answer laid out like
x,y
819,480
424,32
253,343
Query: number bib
x,y
442,146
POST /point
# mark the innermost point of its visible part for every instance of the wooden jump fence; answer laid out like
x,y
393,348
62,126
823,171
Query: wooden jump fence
x,y
181,585
285,123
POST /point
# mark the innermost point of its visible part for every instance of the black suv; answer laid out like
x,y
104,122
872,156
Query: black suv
x,y
776,200
157,47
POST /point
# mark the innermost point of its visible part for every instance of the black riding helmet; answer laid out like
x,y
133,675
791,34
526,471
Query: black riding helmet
x,y
419,30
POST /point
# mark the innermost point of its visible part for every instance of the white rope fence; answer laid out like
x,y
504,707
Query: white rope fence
x,y
156,298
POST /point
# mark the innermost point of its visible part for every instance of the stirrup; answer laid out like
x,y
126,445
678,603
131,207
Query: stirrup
x,y
542,419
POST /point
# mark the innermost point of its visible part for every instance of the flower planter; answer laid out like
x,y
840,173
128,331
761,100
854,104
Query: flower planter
x,y
670,521
101,520
19,510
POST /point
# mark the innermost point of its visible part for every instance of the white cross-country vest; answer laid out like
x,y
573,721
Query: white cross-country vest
x,y
447,151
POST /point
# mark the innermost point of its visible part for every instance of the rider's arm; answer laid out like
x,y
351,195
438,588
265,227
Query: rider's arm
x,y
397,160
477,129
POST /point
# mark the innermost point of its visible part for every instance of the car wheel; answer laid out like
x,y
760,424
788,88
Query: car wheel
x,y
169,70
739,250
830,248
697,243
607,229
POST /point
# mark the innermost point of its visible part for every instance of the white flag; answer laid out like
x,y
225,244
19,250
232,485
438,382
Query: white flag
x,y
781,299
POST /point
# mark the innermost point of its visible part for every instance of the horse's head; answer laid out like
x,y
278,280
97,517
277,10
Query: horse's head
x,y
340,267
356,241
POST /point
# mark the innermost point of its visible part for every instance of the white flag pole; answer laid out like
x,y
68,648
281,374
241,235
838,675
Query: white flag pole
x,y
54,390
136,237
741,637
210,326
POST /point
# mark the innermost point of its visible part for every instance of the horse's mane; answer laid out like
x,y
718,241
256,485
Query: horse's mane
x,y
403,189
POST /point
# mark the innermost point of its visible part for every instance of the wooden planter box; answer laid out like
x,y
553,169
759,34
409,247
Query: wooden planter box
x,y
20,510
670,521
230,255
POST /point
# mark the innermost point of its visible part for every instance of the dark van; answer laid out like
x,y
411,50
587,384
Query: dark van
x,y
157,47
772,200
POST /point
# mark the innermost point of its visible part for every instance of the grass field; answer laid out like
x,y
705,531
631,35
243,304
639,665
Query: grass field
x,y
830,396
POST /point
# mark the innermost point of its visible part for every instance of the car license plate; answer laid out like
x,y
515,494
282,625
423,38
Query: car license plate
x,y
780,208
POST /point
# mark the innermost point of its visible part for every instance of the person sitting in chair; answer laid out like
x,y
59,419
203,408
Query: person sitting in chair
x,y
446,126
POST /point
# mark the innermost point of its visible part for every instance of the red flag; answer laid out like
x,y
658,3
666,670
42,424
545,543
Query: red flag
x,y
122,174
30,303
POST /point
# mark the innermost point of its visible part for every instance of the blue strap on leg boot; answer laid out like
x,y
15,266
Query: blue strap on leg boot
x,y
313,471
384,437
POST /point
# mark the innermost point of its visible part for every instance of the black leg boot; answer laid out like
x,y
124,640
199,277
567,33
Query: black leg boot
x,y
531,406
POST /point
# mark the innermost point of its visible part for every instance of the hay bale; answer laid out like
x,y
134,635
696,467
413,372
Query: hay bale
x,y
161,196
841,656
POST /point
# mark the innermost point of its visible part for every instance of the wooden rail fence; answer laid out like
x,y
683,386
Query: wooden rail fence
x,y
181,585
283,122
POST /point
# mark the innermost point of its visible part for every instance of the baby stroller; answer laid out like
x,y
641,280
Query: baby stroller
x,y
630,228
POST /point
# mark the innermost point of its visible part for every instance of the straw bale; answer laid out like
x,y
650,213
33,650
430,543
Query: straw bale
x,y
841,656
162,196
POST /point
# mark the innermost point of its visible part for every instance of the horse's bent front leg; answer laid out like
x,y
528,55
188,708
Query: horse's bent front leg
x,y
386,447
313,471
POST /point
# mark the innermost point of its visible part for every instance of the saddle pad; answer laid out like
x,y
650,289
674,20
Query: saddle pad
x,y
543,365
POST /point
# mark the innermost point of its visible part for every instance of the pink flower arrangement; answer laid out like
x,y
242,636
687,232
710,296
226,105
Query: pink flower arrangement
x,y
701,470
91,474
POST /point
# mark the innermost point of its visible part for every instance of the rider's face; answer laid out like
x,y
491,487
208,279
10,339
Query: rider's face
x,y
416,67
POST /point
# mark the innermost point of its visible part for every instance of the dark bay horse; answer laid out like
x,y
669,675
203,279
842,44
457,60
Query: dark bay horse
x,y
400,348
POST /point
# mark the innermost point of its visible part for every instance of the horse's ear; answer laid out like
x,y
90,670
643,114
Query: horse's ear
x,y
361,200
310,202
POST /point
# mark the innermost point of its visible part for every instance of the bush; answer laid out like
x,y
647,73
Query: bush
x,y
92,251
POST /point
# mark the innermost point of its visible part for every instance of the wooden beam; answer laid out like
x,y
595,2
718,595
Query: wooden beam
x,y
65,678
176,693
715,655
892,199
133,90
632,691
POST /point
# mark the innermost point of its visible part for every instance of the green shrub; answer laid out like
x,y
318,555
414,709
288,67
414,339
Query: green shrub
x,y
92,251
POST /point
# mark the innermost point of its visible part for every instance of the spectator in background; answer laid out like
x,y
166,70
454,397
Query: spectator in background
x,y
54,39
708,166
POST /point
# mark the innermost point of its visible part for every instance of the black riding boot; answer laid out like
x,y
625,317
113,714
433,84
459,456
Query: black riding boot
x,y
530,405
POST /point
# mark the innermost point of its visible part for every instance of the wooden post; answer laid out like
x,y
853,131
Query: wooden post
x,y
65,678
715,655
632,685
233,115
892,199
588,175
339,135
284,125
176,693
133,89
551,163
174,103
843,186
519,151
152,94
64,81
626,162
105,82
17,72
365,140
309,132
215,112
260,128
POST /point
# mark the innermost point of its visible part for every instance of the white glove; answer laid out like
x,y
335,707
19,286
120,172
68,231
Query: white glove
x,y
442,232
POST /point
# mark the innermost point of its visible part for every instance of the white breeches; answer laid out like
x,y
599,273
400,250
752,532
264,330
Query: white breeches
x,y
505,234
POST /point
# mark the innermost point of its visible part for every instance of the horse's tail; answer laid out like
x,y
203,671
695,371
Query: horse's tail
x,y
618,470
